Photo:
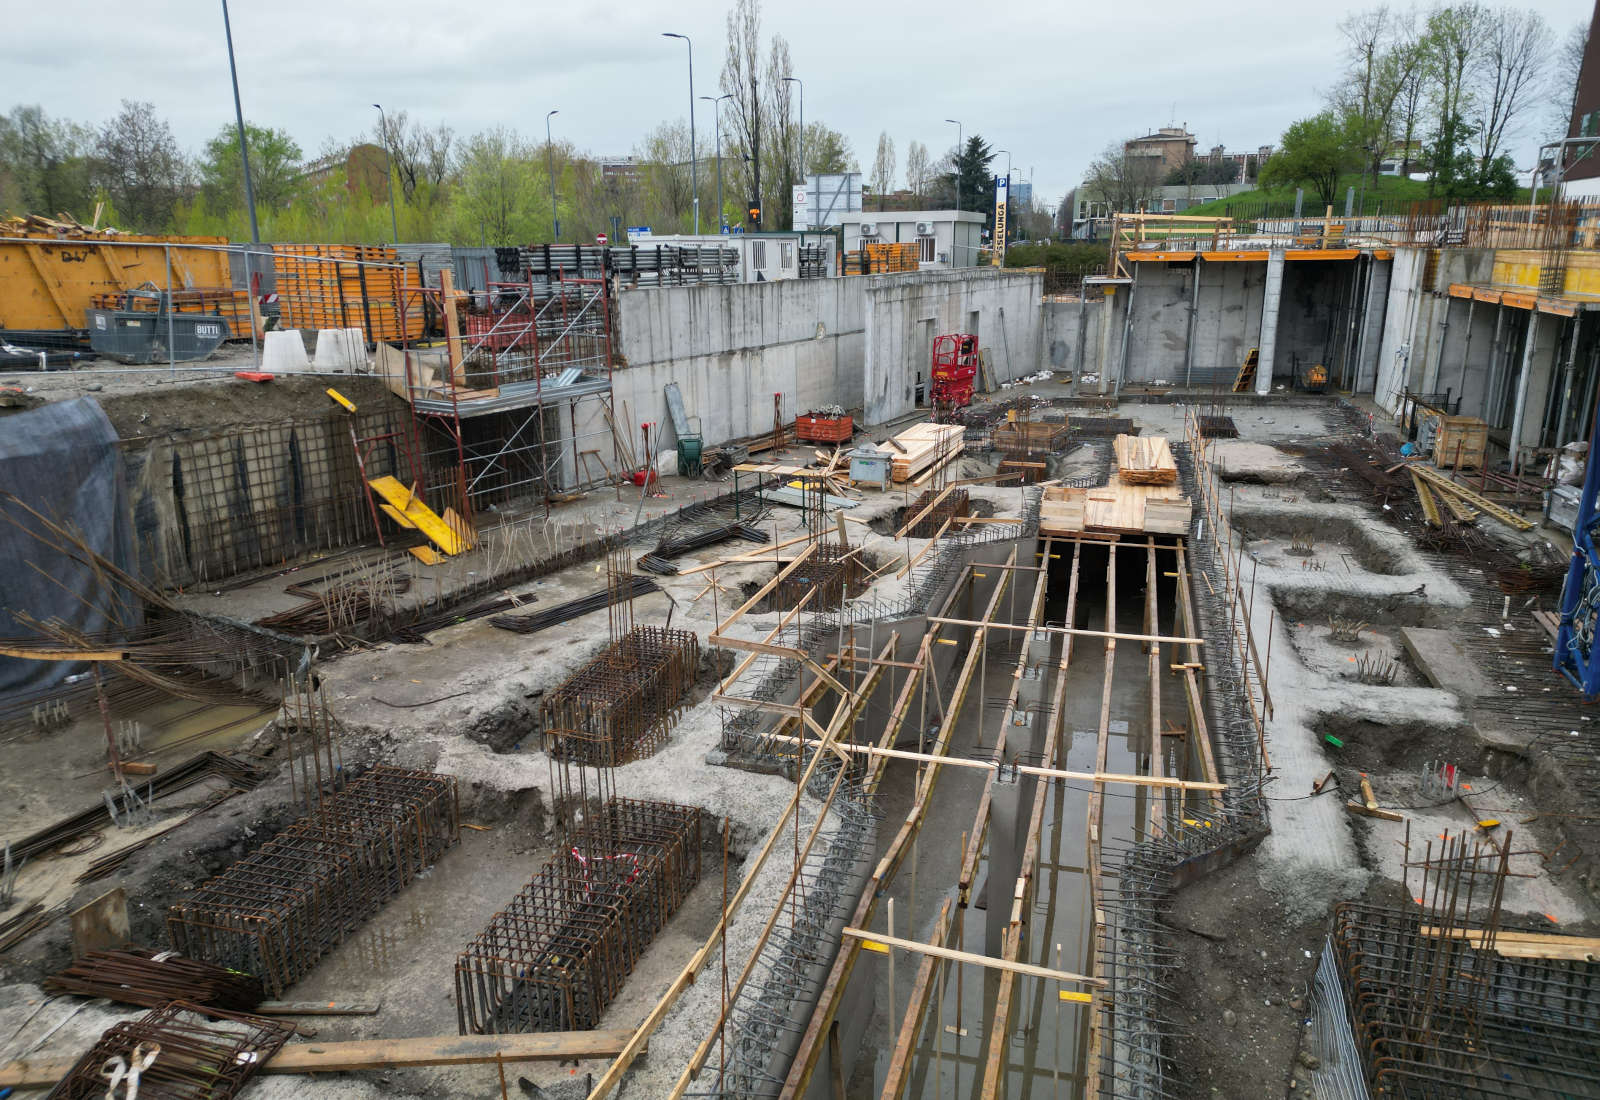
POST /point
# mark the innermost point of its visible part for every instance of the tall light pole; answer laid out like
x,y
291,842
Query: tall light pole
x,y
550,170
388,173
716,116
238,113
802,83
959,142
694,157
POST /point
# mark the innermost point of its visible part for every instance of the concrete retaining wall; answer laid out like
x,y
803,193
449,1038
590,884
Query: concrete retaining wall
x,y
905,313
1070,335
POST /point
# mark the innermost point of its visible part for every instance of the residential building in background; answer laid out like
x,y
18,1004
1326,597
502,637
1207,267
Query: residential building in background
x,y
1580,163
1169,147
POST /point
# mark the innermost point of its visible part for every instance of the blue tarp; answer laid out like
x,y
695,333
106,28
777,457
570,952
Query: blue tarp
x,y
62,460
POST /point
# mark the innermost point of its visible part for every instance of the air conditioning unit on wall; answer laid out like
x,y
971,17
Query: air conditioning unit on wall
x,y
869,229
924,229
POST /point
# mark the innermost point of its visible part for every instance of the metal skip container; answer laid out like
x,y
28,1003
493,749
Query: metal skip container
x,y
136,336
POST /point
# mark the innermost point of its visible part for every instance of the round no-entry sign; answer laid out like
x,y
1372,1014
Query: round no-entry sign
x,y
600,238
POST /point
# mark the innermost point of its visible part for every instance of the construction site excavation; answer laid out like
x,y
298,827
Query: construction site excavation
x,y
587,674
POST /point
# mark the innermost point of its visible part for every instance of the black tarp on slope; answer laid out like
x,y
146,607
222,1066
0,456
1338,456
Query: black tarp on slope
x,y
62,460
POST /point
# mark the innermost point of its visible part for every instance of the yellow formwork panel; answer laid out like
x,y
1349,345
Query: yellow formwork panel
x,y
418,514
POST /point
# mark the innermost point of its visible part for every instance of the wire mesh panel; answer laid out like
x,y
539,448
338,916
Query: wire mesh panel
x,y
556,957
276,912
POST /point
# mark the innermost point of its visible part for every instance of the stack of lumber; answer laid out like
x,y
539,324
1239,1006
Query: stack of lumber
x,y
1142,497
1145,460
1437,491
922,447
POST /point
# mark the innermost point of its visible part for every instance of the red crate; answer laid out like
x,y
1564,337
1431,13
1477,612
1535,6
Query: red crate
x,y
824,429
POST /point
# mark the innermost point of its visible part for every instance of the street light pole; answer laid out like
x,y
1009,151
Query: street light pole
x,y
238,113
388,173
694,157
802,83
550,170
716,116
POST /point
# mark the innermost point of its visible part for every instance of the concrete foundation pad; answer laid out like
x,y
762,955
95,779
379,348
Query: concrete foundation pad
x,y
1444,663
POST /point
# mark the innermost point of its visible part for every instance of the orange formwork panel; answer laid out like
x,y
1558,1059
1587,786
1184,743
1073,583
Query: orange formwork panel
x,y
47,282
345,286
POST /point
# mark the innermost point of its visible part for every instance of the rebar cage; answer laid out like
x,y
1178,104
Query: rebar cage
x,y
276,912
554,958
619,707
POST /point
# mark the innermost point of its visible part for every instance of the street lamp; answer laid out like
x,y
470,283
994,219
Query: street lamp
x,y
797,80
716,116
388,173
238,113
958,160
694,158
550,170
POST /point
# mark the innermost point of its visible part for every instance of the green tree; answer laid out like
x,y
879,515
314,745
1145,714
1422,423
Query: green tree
x,y
1314,152
275,167
44,164
501,194
968,167
828,152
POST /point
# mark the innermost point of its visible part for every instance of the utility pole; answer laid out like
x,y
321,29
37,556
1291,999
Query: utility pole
x,y
797,80
388,173
238,114
716,115
959,142
694,157
550,170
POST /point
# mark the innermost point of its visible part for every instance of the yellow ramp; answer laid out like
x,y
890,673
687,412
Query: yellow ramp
x,y
412,512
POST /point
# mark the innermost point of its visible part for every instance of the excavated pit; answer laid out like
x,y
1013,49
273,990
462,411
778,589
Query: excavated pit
x,y
1317,544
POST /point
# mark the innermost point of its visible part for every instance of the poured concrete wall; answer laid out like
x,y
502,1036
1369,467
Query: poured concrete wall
x,y
1164,345
730,348
905,312
1070,335
1414,349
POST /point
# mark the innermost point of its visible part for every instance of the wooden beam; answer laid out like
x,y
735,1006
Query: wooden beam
x,y
1082,633
934,503
954,955
29,653
442,1050
1162,781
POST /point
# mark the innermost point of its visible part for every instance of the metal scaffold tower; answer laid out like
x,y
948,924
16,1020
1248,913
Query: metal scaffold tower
x,y
515,402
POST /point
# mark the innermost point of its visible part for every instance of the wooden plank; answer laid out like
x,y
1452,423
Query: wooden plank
x,y
442,1050
318,1008
954,955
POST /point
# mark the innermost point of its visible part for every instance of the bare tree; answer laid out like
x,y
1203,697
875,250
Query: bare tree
x,y
883,168
1515,53
782,141
140,166
1453,41
917,168
421,156
664,163
1564,71
1383,55
1124,183
741,79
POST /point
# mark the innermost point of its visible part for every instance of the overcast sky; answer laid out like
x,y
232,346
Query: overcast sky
x,y
1054,85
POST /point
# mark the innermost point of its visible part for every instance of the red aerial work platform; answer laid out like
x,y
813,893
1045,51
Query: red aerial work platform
x,y
954,369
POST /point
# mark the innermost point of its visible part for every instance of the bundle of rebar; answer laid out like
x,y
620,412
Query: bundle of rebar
x,y
535,621
1217,427
657,561
196,769
276,912
555,958
620,706
138,976
194,1059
